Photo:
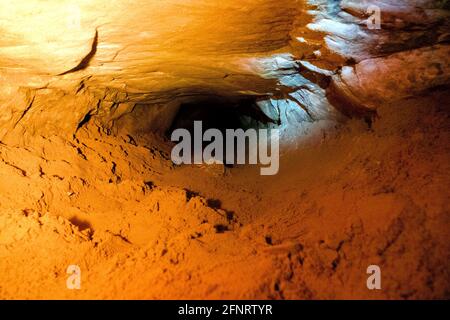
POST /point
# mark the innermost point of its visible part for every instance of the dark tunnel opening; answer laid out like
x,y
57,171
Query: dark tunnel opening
x,y
220,113
213,112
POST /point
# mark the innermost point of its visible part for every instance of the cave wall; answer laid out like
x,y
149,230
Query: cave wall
x,y
128,65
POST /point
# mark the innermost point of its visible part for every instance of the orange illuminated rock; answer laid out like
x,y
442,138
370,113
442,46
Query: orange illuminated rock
x,y
90,91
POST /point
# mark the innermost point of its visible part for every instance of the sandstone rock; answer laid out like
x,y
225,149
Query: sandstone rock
x,y
128,66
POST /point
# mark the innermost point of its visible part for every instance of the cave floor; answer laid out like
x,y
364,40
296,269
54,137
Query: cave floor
x,y
141,228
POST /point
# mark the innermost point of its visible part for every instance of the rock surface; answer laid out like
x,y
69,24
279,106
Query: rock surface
x,y
88,86
140,228
113,59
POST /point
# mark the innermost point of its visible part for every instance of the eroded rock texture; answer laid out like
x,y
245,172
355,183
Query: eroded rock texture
x,y
108,60
88,86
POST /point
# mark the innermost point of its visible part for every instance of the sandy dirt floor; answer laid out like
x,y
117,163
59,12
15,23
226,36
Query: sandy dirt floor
x,y
141,228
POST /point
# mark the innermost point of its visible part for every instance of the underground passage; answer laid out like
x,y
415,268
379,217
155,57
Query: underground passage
x,y
316,152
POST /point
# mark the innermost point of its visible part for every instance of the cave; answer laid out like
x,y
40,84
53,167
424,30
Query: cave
x,y
213,112
350,98
226,117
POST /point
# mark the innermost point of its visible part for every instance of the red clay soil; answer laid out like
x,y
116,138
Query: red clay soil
x,y
141,228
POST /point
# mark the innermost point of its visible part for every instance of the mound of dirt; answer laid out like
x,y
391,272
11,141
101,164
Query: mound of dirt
x,y
139,227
